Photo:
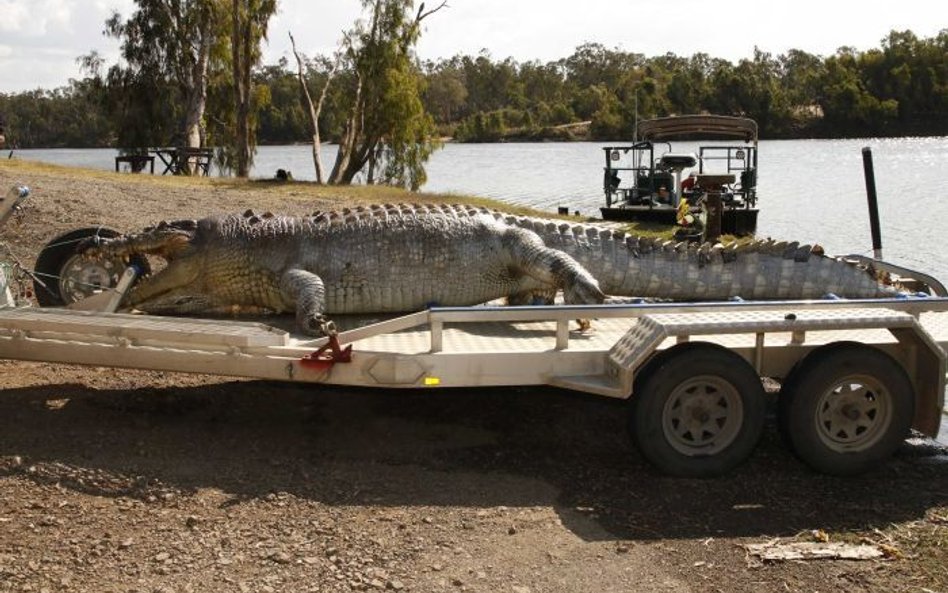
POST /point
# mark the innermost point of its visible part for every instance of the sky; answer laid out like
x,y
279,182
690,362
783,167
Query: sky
x,y
41,39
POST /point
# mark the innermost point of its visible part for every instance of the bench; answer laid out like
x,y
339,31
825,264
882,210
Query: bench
x,y
136,162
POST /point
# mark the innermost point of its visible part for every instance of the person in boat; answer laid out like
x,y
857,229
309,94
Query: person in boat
x,y
688,185
612,180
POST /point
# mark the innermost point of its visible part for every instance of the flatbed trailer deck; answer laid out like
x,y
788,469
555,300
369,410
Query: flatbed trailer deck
x,y
492,343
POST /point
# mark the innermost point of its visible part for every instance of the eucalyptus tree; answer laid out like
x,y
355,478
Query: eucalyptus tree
x,y
488,83
168,46
913,72
849,107
446,93
688,85
387,129
759,94
315,109
593,63
249,20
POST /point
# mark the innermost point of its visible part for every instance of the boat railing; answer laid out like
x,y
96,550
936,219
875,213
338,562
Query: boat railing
x,y
739,160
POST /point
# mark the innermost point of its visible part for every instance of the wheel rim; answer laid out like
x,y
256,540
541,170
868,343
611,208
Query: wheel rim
x,y
703,415
853,414
82,276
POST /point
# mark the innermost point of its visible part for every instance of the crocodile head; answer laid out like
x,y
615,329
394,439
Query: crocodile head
x,y
176,287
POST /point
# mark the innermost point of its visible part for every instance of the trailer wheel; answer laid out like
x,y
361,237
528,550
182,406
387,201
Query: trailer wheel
x,y
846,408
698,411
64,276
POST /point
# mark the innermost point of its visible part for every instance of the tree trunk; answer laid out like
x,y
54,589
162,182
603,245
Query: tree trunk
x,y
347,145
240,42
314,110
197,98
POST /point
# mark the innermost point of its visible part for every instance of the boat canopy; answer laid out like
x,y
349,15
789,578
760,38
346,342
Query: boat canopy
x,y
696,125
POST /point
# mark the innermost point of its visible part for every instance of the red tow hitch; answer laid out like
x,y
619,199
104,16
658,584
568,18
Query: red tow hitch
x,y
328,355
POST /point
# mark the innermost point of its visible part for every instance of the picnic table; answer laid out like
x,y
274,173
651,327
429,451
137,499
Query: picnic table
x,y
185,160
136,162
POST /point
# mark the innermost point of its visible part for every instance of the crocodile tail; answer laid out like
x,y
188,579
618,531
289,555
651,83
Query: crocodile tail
x,y
627,265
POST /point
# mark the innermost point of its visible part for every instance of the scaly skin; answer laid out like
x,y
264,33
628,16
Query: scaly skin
x,y
405,258
653,268
384,259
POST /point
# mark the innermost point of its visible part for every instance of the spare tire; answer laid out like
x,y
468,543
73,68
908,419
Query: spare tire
x,y
63,275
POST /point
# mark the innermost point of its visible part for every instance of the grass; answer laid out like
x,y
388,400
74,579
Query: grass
x,y
918,548
371,194
301,190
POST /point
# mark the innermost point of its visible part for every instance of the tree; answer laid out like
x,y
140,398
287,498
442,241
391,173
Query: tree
x,y
688,87
315,108
487,83
249,28
445,93
849,108
167,45
284,120
387,129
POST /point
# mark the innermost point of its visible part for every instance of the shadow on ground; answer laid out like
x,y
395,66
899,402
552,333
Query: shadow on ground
x,y
464,447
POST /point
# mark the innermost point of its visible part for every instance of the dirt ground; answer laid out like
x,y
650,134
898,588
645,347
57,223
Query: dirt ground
x,y
153,482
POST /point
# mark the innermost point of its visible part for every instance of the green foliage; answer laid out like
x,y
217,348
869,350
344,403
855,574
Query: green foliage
x,y
249,22
387,132
170,48
899,88
70,116
445,94
282,117
407,145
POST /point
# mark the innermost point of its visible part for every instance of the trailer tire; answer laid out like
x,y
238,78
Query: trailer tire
x,y
846,408
697,411
64,276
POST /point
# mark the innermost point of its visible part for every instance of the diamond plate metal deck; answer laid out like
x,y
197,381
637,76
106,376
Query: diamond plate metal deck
x,y
34,320
499,337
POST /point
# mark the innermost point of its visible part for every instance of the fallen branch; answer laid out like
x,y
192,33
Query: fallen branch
x,y
777,552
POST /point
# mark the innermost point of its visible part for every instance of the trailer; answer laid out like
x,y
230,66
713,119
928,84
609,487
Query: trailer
x,y
855,376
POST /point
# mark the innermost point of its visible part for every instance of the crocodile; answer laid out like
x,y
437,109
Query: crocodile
x,y
396,258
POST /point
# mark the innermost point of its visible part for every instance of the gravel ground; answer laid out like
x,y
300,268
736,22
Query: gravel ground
x,y
121,481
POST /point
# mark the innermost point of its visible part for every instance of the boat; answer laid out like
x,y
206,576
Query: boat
x,y
647,180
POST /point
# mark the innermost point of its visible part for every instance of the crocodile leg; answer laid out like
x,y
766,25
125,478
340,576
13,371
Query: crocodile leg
x,y
307,291
551,267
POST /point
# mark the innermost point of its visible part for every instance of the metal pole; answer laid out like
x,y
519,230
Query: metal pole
x,y
873,203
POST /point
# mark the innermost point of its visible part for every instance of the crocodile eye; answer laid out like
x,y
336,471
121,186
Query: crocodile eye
x,y
185,225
